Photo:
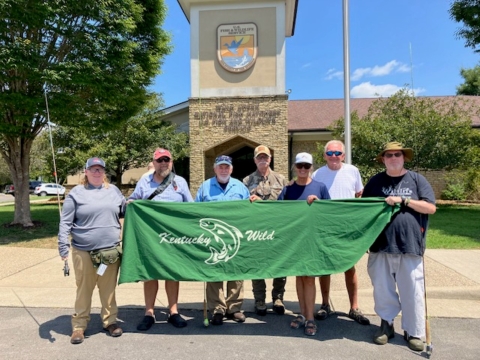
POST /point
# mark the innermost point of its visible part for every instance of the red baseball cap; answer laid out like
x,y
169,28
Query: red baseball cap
x,y
161,153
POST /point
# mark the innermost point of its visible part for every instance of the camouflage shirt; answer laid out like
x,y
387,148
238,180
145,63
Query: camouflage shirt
x,y
266,187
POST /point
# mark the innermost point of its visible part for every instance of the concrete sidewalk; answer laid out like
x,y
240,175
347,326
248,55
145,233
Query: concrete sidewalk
x,y
33,278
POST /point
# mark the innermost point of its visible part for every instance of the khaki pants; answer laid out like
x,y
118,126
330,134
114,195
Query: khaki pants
x,y
86,278
218,303
259,288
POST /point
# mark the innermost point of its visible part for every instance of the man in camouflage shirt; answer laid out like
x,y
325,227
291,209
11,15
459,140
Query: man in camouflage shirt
x,y
266,184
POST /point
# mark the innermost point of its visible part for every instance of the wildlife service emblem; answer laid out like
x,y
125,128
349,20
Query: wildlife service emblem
x,y
237,46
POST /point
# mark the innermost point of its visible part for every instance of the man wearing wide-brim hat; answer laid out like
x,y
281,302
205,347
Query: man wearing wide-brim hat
x,y
396,256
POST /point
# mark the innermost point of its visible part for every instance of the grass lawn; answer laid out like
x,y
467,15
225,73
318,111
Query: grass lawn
x,y
452,227
45,216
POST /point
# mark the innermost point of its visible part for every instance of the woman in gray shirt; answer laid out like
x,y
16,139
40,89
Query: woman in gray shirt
x,y
91,215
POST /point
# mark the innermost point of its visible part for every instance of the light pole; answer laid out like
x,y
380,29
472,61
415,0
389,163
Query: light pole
x,y
346,84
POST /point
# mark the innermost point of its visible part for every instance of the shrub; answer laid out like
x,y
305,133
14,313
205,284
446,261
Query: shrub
x,y
455,188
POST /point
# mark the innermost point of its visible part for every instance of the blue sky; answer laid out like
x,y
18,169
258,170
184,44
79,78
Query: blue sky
x,y
382,32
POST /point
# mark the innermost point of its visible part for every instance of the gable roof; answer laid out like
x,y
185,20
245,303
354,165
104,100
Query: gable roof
x,y
317,115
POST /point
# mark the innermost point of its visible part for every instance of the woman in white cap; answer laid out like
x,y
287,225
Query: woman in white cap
x,y
304,188
91,215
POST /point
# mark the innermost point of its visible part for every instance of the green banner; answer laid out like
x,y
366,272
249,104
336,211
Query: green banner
x,y
239,240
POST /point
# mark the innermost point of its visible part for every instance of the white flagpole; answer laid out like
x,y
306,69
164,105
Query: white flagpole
x,y
346,84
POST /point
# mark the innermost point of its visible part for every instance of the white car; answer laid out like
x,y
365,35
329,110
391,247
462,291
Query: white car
x,y
49,189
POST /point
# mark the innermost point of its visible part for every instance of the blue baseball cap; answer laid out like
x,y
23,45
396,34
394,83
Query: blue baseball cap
x,y
94,161
223,159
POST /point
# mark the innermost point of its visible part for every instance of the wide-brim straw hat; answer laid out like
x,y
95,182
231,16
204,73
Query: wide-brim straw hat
x,y
394,145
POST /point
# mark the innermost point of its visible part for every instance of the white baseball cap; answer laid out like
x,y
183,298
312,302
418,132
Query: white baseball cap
x,y
304,157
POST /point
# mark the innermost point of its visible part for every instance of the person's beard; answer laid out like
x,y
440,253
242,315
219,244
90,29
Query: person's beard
x,y
223,179
164,173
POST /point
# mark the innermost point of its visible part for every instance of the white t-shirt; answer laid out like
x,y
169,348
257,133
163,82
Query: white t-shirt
x,y
341,184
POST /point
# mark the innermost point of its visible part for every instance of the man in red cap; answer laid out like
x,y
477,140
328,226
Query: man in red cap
x,y
162,185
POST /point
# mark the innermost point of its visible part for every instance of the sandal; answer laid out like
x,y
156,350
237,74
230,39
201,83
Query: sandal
x,y
310,328
298,322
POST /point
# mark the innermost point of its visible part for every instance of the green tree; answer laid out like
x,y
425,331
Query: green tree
x,y
471,86
438,130
468,12
127,146
94,60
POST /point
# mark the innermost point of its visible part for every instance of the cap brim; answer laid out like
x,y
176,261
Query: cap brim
x,y
223,162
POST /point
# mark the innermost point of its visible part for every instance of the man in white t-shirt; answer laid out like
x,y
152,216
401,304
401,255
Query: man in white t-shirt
x,y
343,182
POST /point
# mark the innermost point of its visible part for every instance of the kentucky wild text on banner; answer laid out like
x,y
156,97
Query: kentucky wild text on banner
x,y
239,240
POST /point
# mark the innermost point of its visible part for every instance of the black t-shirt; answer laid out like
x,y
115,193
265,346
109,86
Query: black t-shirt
x,y
405,234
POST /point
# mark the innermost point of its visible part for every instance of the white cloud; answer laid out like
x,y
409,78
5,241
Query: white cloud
x,y
334,74
404,68
306,65
380,70
369,90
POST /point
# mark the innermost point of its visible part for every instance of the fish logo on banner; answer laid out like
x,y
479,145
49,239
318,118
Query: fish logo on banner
x,y
237,46
227,240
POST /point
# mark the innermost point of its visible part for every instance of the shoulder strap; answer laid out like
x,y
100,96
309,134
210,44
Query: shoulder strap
x,y
161,188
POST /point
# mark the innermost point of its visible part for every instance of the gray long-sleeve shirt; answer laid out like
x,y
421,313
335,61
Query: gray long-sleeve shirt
x,y
91,216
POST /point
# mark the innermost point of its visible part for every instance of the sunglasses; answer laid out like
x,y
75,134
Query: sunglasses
x,y
163,159
96,170
336,153
303,165
390,155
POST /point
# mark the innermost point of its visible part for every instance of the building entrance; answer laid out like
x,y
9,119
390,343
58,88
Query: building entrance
x,y
243,163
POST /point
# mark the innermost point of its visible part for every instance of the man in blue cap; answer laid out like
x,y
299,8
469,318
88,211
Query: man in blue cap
x,y
223,187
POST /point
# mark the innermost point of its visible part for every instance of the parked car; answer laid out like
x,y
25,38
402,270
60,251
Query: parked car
x,y
49,189
32,184
8,189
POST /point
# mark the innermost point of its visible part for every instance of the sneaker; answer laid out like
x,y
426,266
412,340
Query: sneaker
x,y
236,316
358,316
323,313
385,332
260,308
217,319
278,306
414,343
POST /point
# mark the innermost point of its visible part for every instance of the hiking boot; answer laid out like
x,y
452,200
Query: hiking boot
x,y
237,316
323,313
278,306
385,332
260,308
358,316
414,343
77,337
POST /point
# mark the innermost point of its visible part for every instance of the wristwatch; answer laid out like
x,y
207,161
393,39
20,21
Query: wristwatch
x,y
405,200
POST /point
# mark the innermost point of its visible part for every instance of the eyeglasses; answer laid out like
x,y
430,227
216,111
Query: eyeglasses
x,y
303,165
96,170
390,155
163,159
336,153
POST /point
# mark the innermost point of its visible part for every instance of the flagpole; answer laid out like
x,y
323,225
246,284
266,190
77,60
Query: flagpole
x,y
346,84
